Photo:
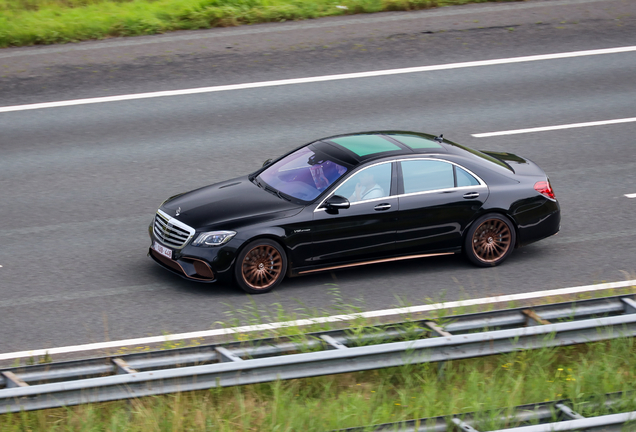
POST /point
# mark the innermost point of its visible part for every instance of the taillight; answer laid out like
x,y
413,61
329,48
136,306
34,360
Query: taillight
x,y
545,189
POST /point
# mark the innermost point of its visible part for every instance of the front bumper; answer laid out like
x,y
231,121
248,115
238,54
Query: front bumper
x,y
193,263
198,263
186,267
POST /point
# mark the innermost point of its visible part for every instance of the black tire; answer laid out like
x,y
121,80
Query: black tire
x,y
490,240
260,266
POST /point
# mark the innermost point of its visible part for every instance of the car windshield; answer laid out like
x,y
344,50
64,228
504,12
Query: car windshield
x,y
303,174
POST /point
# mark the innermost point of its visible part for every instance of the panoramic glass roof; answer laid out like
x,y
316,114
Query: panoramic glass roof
x,y
363,145
415,142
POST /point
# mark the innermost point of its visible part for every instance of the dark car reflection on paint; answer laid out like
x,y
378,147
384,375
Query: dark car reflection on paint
x,y
351,200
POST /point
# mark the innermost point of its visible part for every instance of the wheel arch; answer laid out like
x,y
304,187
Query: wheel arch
x,y
499,211
237,265
272,235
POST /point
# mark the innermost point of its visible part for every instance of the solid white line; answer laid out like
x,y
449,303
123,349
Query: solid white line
x,y
303,322
551,128
317,79
627,195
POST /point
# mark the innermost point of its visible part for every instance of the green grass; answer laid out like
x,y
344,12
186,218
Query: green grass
x,y
581,373
31,22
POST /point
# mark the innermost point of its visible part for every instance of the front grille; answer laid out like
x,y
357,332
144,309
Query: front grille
x,y
170,231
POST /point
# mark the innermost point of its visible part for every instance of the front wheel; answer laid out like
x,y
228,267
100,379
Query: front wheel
x,y
260,266
490,240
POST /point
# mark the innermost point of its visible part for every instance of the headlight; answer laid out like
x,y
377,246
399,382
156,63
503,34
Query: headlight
x,y
213,238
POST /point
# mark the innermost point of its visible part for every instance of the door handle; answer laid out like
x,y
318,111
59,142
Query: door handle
x,y
471,195
381,207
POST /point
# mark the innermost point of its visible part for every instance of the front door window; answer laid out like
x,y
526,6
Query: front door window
x,y
370,183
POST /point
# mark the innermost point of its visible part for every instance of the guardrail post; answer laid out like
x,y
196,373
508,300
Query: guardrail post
x,y
629,305
13,380
532,318
439,332
333,344
569,412
437,329
463,425
227,356
122,367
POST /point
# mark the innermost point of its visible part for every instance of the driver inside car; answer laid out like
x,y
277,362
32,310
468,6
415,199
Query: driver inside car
x,y
366,188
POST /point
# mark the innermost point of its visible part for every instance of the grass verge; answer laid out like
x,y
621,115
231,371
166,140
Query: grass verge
x,y
32,22
581,373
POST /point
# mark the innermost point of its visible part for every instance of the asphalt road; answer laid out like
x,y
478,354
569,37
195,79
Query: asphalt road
x,y
79,185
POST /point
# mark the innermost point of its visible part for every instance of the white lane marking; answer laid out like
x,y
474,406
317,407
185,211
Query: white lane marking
x,y
627,195
317,79
551,128
304,322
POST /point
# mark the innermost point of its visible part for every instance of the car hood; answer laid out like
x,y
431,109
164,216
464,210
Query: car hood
x,y
237,201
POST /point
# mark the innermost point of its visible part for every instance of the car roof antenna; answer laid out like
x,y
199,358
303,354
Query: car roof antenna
x,y
439,138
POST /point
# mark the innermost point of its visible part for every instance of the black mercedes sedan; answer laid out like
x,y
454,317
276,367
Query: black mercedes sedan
x,y
351,200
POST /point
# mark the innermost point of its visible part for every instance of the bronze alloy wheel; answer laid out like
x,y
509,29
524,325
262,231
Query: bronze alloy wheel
x,y
262,267
491,241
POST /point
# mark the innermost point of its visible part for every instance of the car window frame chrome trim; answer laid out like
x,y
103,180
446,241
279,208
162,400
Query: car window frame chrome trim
x,y
446,190
482,184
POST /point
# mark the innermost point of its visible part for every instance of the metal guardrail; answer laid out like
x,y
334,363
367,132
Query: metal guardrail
x,y
541,417
457,337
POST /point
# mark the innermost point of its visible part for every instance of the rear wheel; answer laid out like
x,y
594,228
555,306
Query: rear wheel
x,y
490,240
260,266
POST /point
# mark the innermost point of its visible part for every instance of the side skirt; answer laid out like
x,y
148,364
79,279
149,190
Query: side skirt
x,y
341,266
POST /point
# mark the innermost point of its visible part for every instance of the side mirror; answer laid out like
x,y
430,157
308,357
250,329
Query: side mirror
x,y
336,203
267,162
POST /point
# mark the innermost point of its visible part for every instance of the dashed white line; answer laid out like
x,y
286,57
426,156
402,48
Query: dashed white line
x,y
627,195
551,128
318,79
303,322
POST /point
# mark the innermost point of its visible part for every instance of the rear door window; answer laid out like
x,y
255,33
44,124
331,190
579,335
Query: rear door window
x,y
464,178
427,175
